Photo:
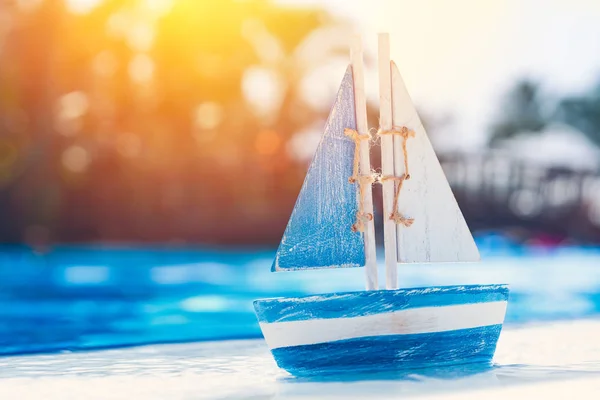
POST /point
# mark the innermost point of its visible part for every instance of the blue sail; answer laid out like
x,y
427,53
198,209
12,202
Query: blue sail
x,y
319,233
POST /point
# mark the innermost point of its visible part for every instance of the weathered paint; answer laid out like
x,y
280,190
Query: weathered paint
x,y
392,352
403,322
391,329
439,232
318,234
354,304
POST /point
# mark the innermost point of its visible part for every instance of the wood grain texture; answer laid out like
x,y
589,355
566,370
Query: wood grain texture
x,y
360,101
402,322
355,304
384,329
439,232
387,162
392,352
319,234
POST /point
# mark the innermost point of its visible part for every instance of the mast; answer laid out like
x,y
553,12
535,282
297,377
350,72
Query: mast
x,y
360,103
387,161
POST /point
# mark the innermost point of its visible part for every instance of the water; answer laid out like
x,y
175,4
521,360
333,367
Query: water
x,y
76,298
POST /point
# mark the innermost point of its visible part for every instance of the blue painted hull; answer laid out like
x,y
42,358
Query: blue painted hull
x,y
384,353
401,329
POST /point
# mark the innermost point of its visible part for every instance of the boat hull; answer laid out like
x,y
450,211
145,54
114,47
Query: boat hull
x,y
383,330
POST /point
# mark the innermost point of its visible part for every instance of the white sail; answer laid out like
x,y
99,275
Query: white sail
x,y
438,232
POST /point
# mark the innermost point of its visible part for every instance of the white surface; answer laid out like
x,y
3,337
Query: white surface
x,y
360,103
439,232
547,361
578,389
387,161
404,322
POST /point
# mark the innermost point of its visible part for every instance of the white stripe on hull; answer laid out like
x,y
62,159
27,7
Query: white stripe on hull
x,y
403,322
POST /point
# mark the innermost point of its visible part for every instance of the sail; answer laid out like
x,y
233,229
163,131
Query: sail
x,y
319,234
439,232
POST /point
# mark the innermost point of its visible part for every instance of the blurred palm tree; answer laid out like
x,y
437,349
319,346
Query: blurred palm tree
x,y
522,110
583,113
526,110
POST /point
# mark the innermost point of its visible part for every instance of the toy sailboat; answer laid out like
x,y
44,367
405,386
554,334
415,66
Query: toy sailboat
x,y
332,226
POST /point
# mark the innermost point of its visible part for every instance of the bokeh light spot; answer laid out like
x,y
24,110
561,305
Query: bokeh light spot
x,y
82,6
526,203
208,115
141,68
263,88
105,64
73,105
76,159
302,145
140,37
117,24
160,7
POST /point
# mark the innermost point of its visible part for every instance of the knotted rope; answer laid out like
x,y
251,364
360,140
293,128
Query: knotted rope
x,y
396,216
363,180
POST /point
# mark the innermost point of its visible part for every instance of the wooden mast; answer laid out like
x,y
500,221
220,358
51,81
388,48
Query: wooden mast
x,y
387,161
360,103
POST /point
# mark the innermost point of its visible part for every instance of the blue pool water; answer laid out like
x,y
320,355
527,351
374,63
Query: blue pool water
x,y
98,297
93,297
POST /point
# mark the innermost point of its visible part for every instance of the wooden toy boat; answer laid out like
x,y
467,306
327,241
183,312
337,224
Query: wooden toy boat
x,y
332,226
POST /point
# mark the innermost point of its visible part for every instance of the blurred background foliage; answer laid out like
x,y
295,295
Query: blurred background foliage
x,y
527,109
193,121
155,120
